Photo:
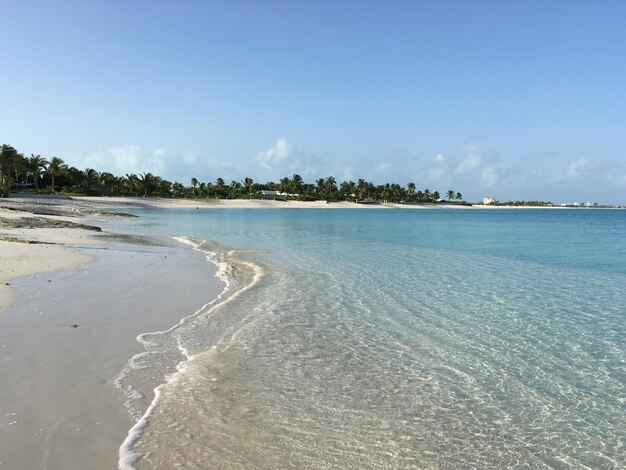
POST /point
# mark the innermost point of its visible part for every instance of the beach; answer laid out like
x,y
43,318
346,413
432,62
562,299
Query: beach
x,y
75,291
72,302
341,339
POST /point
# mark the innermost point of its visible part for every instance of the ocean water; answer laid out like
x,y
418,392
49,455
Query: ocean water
x,y
391,339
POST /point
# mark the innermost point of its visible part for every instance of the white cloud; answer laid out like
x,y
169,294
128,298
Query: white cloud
x,y
273,156
134,159
490,176
473,166
438,168
576,168
129,159
285,159
190,157
468,164
474,159
580,168
472,169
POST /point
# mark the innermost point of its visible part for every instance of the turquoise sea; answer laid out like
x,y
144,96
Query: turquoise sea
x,y
368,338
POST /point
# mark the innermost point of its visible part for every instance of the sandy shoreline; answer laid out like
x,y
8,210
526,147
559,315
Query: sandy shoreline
x,y
70,262
100,205
59,408
121,202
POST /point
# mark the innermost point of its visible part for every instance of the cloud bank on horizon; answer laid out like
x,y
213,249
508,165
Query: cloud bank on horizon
x,y
519,100
474,170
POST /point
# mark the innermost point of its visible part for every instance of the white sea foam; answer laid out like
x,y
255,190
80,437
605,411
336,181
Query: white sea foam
x,y
227,273
135,362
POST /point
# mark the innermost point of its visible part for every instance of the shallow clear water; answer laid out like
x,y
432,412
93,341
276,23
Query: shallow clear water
x,y
398,339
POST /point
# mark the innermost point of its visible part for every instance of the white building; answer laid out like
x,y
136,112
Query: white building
x,y
271,192
489,200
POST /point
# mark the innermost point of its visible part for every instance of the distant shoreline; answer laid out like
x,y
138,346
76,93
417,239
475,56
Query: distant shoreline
x,y
164,203
93,203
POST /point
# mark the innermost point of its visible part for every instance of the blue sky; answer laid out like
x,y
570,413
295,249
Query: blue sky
x,y
520,100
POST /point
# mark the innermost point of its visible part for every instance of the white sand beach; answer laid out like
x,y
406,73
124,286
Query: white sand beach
x,y
26,251
71,307
219,203
246,203
74,294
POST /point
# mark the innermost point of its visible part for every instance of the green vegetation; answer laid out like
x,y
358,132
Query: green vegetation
x,y
524,203
38,174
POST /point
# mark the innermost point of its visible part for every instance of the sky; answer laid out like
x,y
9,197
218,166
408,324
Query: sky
x,y
520,100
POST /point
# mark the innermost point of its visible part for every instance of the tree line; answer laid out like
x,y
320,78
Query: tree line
x,y
40,174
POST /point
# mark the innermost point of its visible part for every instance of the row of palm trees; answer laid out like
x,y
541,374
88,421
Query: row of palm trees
x,y
36,172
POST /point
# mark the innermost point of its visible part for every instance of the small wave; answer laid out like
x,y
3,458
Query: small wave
x,y
127,455
229,273
224,274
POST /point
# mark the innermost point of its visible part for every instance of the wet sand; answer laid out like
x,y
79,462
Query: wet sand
x,y
67,334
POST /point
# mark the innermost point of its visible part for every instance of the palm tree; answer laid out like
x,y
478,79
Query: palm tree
x,y
397,193
248,183
132,183
297,183
233,189
163,187
385,192
410,189
436,196
35,165
285,185
347,190
194,184
106,181
75,177
450,195
178,188
459,196
10,162
91,177
147,182
331,186
320,186
219,186
361,188
56,168
8,159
